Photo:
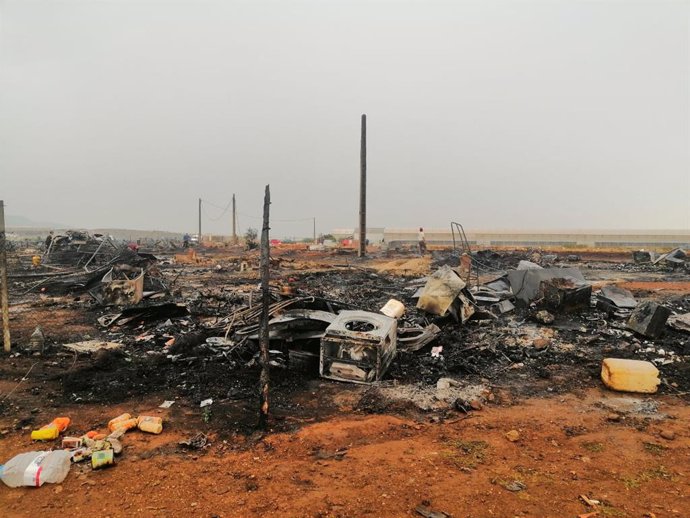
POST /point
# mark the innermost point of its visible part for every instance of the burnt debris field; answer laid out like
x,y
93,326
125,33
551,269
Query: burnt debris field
x,y
404,349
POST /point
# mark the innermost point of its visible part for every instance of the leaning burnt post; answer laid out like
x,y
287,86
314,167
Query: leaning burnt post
x,y
3,282
265,302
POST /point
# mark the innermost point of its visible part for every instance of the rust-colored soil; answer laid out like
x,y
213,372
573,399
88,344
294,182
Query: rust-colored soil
x,y
681,287
58,321
567,447
326,457
414,267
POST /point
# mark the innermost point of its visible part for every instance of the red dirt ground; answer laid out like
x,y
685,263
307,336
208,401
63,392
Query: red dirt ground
x,y
682,287
567,447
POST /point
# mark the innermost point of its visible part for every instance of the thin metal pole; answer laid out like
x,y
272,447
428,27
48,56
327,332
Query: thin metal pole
x,y
199,241
46,254
363,189
314,230
234,221
3,280
86,266
264,359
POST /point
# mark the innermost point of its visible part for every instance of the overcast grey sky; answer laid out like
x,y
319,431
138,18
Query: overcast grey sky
x,y
558,114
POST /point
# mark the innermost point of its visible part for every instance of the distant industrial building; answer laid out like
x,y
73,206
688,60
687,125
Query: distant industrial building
x,y
633,239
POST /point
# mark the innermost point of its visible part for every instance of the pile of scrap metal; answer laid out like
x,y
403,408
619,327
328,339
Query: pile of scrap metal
x,y
120,281
648,319
132,279
344,343
676,258
528,285
59,282
358,346
616,301
680,322
446,294
645,318
80,249
496,295
339,342
144,313
121,285
643,256
555,288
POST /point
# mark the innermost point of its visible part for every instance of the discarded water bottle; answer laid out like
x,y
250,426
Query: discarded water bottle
x,y
52,430
35,468
37,341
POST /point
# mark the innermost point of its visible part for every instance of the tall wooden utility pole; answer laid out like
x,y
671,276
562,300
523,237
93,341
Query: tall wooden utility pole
x,y
314,230
3,281
363,190
199,241
265,303
234,221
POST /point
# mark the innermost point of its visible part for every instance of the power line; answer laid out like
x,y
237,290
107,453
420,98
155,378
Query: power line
x,y
278,220
223,209
216,218
216,206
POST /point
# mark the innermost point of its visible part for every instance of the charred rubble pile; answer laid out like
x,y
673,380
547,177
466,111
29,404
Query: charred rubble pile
x,y
674,259
533,318
126,277
543,327
80,249
641,261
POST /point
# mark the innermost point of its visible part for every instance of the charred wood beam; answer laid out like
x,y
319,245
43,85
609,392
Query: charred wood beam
x,y
265,310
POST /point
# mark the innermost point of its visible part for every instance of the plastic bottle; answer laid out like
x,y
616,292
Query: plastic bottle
x,y
47,433
35,468
630,375
150,424
127,424
51,431
113,424
116,434
37,340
